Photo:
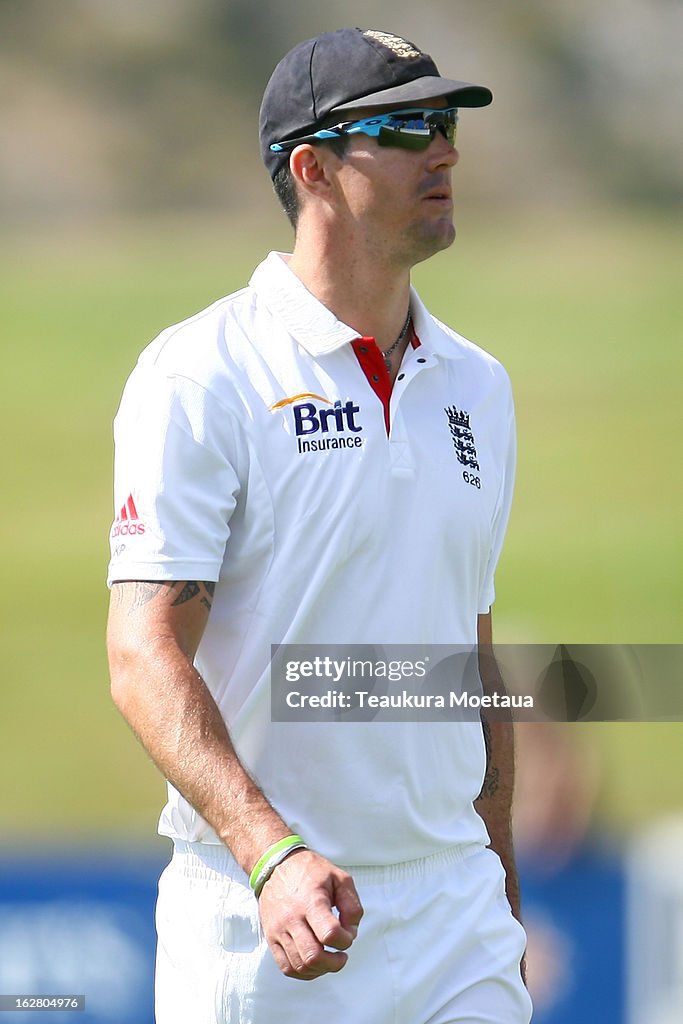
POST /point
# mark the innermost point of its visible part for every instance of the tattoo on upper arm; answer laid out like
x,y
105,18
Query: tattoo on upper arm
x,y
191,589
145,591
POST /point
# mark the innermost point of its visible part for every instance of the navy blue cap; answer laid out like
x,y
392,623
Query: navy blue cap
x,y
346,70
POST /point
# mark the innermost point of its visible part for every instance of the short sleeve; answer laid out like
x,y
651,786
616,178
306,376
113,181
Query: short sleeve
x,y
175,480
502,509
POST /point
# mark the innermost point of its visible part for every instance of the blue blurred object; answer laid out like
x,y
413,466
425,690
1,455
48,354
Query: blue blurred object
x,y
576,921
83,924
80,924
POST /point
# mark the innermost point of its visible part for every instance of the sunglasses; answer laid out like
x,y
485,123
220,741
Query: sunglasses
x,y
413,128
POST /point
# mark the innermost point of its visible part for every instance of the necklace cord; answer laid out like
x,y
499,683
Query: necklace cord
x,y
387,354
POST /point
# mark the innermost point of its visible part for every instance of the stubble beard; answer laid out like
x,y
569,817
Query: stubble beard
x,y
426,241
416,243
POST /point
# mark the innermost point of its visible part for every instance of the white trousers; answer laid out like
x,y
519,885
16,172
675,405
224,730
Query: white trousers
x,y
437,945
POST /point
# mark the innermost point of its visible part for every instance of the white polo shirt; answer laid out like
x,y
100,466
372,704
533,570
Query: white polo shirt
x,y
260,445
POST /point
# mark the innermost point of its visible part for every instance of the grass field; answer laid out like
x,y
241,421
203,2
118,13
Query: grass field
x,y
586,316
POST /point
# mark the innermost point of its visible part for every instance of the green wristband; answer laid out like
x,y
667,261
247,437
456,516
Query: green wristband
x,y
271,854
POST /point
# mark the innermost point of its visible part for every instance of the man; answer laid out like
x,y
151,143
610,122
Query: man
x,y
317,460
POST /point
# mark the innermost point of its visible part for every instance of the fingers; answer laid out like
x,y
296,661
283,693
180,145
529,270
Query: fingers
x,y
302,947
303,957
297,903
348,904
327,928
330,930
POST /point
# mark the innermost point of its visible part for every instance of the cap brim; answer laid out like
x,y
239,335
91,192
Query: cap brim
x,y
459,94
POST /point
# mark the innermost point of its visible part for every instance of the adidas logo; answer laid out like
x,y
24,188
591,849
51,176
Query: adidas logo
x,y
127,522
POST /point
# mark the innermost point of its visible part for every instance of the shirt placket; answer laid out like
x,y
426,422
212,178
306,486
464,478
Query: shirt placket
x,y
371,361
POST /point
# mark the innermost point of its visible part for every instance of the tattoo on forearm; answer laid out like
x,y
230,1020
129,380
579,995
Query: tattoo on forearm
x,y
492,775
491,782
486,729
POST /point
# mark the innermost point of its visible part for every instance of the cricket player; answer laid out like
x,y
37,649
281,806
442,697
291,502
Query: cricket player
x,y
317,460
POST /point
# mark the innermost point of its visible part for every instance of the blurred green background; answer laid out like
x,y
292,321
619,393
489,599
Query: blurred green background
x,y
132,195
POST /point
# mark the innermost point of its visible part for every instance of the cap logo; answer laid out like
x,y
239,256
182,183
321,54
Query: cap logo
x,y
401,47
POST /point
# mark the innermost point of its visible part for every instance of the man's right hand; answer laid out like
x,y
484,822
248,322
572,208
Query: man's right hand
x,y
296,905
154,630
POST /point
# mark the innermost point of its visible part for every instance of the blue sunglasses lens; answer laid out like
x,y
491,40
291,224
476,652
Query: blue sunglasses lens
x,y
409,129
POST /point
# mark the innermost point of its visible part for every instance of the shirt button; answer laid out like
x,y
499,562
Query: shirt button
x,y
363,348
421,360
375,377
400,376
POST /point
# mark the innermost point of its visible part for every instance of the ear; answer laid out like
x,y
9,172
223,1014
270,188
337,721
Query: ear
x,y
311,167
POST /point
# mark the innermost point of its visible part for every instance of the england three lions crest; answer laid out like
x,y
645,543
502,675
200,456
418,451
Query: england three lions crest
x,y
462,436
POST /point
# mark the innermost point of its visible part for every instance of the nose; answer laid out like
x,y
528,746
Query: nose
x,y
440,153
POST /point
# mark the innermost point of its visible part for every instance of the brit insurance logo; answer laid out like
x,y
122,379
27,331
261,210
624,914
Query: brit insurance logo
x,y
463,442
321,425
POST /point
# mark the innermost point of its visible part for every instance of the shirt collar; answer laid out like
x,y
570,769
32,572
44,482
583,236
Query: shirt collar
x,y
315,328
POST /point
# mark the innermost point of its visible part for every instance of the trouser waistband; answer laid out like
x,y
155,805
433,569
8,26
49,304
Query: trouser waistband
x,y
204,860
